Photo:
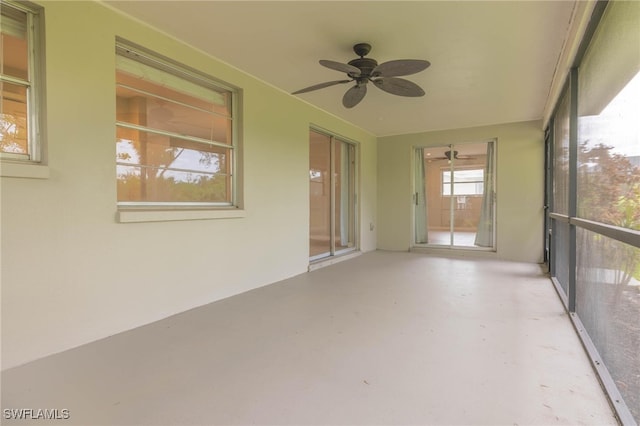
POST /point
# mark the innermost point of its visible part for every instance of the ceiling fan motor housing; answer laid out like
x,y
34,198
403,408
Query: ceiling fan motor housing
x,y
366,66
448,155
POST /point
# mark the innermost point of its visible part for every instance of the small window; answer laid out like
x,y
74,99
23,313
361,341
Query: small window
x,y
175,137
19,27
465,182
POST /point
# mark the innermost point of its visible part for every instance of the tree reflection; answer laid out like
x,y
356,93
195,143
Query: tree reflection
x,y
13,134
160,172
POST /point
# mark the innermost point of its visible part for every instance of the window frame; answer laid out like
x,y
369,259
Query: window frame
x,y
343,252
452,184
139,211
13,163
569,263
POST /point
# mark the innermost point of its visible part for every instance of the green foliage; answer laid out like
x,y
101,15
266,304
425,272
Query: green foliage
x,y
628,208
162,188
158,182
603,179
609,192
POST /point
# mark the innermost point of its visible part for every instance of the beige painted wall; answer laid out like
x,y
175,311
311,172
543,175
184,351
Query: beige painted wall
x,y
71,274
519,186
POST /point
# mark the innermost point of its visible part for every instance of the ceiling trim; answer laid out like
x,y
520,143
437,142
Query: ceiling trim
x,y
576,30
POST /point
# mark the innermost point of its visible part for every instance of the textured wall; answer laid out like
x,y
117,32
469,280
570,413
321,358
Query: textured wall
x,y
519,186
72,274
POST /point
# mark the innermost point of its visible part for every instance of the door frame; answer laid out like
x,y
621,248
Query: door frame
x,y
354,185
451,245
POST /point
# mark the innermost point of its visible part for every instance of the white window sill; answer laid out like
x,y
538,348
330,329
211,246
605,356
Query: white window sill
x,y
26,170
131,216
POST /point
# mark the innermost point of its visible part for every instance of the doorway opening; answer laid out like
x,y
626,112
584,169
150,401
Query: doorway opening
x,y
455,196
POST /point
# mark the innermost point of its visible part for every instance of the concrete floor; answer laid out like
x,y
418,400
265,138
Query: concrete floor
x,y
386,338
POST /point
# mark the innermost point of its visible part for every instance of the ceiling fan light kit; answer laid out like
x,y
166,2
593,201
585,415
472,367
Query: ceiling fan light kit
x,y
364,70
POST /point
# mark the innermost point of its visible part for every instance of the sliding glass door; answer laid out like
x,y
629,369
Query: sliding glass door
x,y
455,196
332,200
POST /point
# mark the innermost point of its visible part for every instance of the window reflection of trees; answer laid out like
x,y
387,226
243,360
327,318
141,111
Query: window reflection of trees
x,y
176,173
13,121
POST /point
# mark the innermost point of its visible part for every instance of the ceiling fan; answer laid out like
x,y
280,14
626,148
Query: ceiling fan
x,y
364,70
454,154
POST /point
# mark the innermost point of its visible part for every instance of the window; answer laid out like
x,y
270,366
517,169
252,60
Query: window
x,y
465,182
19,31
175,134
595,199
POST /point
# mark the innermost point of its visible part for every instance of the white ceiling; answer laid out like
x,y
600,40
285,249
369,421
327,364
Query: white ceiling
x,y
491,62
